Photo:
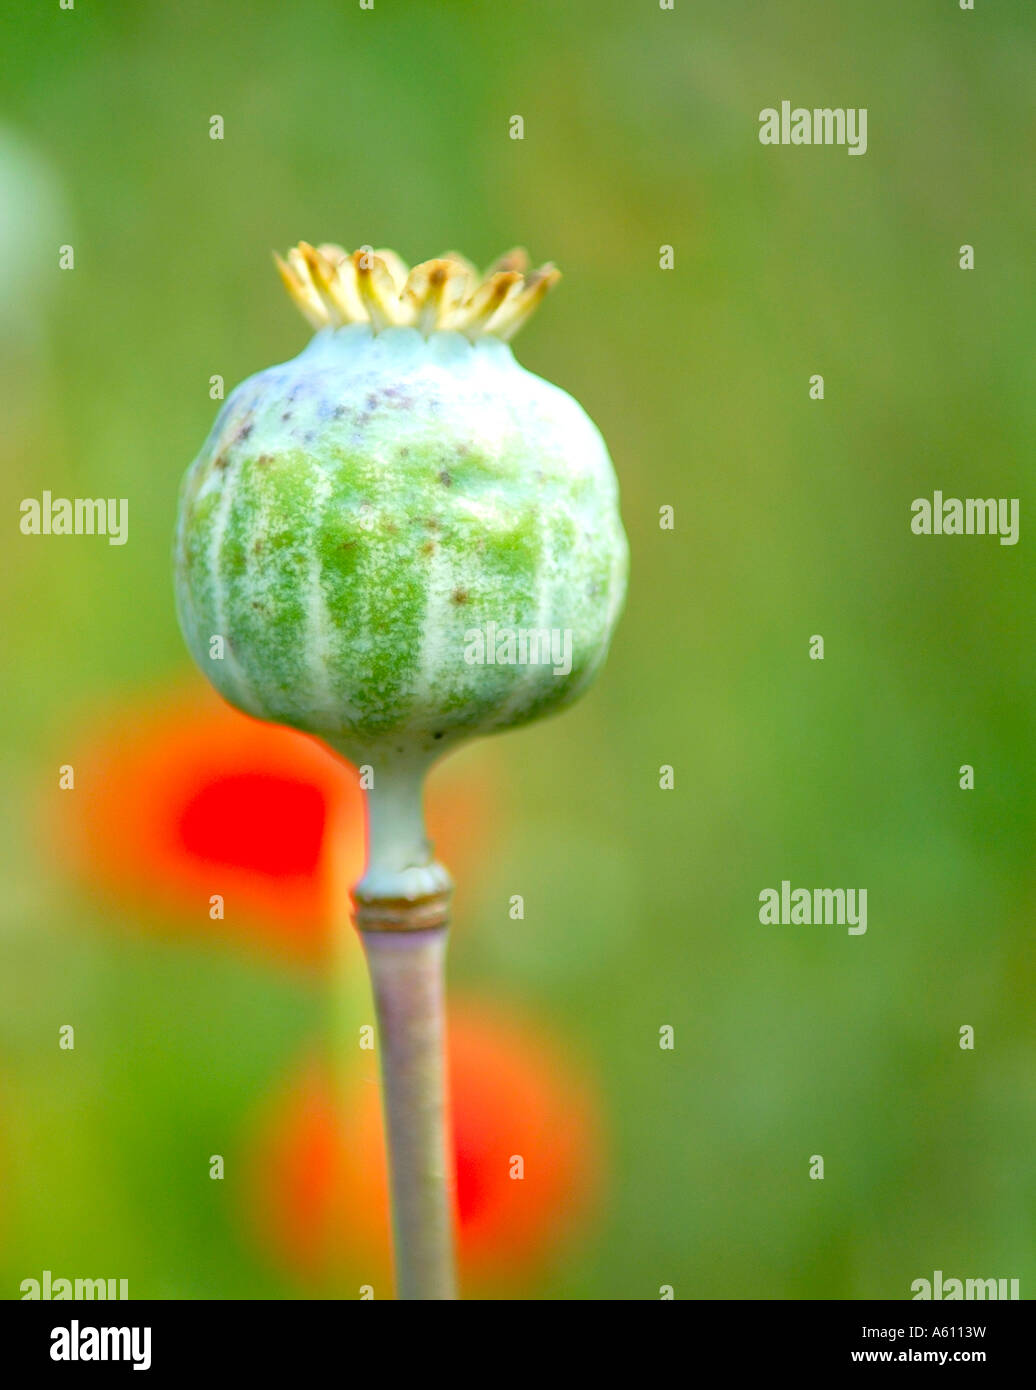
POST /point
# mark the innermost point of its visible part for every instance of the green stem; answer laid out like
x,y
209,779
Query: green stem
x,y
400,908
407,969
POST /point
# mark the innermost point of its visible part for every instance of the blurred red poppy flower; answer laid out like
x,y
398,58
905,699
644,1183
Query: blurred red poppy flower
x,y
182,797
526,1135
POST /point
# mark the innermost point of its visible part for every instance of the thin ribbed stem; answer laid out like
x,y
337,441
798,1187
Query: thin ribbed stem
x,y
407,969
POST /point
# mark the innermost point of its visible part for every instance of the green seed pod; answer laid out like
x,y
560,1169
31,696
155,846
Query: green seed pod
x,y
402,537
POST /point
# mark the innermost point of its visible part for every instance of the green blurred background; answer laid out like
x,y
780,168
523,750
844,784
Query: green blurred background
x,y
390,127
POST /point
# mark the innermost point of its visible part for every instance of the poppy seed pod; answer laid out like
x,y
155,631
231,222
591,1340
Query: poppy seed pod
x,y
403,538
